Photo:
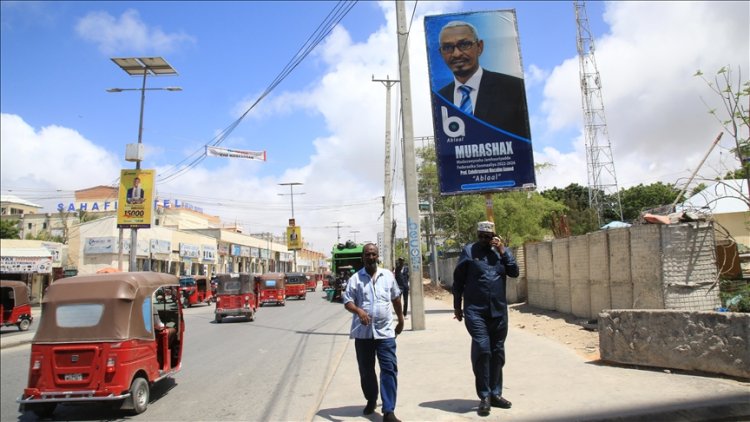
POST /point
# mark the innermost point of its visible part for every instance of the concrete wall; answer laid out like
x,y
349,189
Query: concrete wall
x,y
641,267
715,342
620,284
599,272
580,290
546,276
561,274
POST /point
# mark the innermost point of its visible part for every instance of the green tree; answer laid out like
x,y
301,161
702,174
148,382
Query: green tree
x,y
639,198
519,216
46,236
9,229
580,217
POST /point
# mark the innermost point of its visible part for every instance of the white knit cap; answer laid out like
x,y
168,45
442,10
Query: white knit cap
x,y
486,226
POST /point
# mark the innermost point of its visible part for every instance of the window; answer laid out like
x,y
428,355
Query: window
x,y
29,225
79,315
44,226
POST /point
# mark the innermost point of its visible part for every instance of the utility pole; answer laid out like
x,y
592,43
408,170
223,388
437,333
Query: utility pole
x,y
413,229
291,194
387,252
433,250
338,227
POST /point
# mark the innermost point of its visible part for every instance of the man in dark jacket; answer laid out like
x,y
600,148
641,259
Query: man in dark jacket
x,y
401,272
479,280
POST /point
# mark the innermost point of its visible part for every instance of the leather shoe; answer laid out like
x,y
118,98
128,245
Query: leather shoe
x,y
484,407
390,417
370,408
498,401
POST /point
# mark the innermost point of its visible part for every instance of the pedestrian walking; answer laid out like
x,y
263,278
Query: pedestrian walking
x,y
372,295
401,272
479,281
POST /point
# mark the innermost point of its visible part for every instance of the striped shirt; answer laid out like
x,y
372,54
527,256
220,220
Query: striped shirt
x,y
375,299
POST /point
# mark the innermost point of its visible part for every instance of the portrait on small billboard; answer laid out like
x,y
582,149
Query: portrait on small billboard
x,y
479,108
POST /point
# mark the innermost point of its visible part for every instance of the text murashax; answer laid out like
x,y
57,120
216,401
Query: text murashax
x,y
489,149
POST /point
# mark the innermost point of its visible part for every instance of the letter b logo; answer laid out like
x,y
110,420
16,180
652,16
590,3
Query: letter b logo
x,y
453,126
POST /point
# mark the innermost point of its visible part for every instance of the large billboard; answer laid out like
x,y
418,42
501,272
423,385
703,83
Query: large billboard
x,y
479,111
136,199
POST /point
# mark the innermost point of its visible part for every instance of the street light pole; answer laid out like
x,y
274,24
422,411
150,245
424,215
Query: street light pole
x,y
136,66
355,235
291,193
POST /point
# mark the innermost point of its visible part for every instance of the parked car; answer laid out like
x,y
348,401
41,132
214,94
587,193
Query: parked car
x,y
105,338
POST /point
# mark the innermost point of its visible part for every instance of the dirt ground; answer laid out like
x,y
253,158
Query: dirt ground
x,y
573,332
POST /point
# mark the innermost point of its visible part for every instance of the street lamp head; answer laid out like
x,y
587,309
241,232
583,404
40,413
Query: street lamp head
x,y
114,90
173,88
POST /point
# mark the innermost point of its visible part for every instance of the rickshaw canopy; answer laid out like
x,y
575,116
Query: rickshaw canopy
x,y
101,307
228,284
295,278
19,289
272,281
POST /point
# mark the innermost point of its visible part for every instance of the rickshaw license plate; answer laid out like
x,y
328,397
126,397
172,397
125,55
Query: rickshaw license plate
x,y
73,377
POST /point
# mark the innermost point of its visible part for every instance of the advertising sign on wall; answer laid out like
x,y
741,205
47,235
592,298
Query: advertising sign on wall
x,y
479,111
188,250
136,199
100,245
161,246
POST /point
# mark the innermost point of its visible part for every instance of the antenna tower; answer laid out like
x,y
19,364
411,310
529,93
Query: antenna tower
x,y
604,195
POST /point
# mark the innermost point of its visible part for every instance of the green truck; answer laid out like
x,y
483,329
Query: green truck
x,y
346,259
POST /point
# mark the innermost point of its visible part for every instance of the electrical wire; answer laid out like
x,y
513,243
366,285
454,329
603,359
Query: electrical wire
x,y
339,11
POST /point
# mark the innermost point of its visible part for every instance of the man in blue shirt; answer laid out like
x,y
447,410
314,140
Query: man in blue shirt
x,y
371,295
479,279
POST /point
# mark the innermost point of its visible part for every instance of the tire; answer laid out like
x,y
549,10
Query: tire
x,y
139,392
43,410
218,318
24,325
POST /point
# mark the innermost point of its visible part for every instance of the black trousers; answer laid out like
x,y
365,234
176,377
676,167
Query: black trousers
x,y
487,351
405,299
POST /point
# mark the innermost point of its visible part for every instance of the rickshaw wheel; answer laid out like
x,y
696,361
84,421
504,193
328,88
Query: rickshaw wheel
x,y
44,410
24,325
139,392
218,318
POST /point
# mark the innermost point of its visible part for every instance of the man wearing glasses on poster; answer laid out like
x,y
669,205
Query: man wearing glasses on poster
x,y
497,99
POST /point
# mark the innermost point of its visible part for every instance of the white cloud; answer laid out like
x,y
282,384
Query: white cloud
x,y
127,34
70,161
658,125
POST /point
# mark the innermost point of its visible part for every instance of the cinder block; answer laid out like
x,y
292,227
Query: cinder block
x,y
561,271
620,285
580,290
599,272
546,276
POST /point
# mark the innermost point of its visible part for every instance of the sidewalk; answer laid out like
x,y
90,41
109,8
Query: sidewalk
x,y
8,339
544,379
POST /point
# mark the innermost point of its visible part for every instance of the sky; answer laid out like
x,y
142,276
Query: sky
x,y
323,125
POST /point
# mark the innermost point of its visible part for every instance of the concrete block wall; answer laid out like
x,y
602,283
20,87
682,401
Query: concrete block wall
x,y
645,266
561,275
620,284
599,272
546,276
716,342
515,287
532,274
689,267
580,290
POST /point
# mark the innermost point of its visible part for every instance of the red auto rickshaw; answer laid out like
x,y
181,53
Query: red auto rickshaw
x,y
296,285
15,308
272,288
105,338
195,289
311,281
236,296
327,280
